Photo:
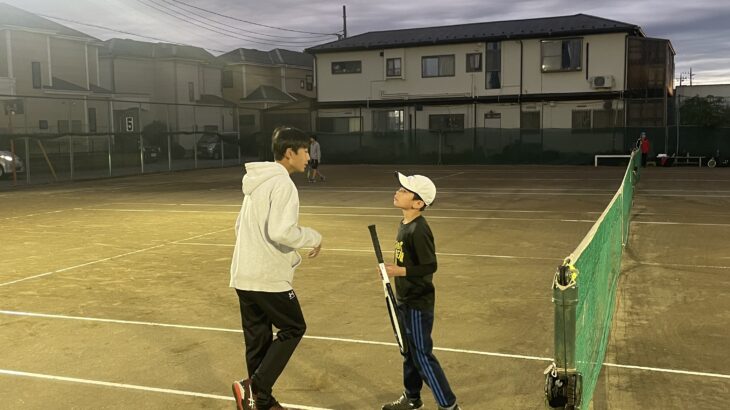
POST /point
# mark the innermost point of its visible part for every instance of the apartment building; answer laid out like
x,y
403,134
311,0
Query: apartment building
x,y
177,85
49,77
531,80
271,87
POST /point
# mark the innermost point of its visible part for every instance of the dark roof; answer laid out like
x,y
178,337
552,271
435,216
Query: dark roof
x,y
13,16
63,85
277,56
267,93
124,47
577,24
210,99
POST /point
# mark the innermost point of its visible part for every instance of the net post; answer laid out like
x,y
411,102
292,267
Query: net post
x,y
563,382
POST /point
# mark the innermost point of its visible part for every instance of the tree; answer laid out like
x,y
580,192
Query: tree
x,y
710,112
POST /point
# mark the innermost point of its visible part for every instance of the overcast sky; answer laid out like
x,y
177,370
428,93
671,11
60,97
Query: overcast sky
x,y
699,29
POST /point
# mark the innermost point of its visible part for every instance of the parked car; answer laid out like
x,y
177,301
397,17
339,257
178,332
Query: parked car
x,y
150,152
209,146
7,159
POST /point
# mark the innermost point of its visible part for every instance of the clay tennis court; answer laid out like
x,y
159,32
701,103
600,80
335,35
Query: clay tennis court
x,y
114,293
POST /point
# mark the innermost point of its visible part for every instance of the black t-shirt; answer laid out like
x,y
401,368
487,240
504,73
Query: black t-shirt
x,y
415,249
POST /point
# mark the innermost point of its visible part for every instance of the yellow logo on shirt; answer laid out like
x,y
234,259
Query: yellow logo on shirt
x,y
399,251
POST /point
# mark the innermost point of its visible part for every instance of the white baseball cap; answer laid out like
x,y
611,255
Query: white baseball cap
x,y
420,185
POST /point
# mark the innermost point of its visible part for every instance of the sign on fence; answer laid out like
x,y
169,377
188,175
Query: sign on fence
x,y
129,124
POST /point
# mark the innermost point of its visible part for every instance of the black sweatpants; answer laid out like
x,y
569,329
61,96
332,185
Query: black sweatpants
x,y
267,357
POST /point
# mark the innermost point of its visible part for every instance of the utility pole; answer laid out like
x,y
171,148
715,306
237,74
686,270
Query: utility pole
x,y
344,21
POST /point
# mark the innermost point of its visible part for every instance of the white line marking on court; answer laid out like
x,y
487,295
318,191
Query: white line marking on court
x,y
444,192
36,214
679,265
135,387
677,223
108,259
379,208
657,369
685,195
394,215
370,251
347,340
172,211
448,176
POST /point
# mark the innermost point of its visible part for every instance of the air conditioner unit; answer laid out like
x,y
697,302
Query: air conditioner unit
x,y
601,81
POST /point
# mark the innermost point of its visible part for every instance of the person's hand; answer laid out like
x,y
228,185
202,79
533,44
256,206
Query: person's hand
x,y
315,251
394,270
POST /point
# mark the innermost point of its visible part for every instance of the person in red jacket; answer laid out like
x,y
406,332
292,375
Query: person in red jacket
x,y
645,146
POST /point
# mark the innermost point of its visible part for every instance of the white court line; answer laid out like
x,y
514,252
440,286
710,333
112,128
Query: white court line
x,y
357,341
136,387
676,223
237,206
448,176
444,192
370,251
226,330
394,215
657,369
108,259
679,265
37,214
685,195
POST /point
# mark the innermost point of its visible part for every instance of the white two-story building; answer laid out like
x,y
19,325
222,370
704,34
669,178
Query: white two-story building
x,y
483,86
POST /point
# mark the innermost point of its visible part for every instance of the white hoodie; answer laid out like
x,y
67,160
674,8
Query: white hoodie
x,y
267,231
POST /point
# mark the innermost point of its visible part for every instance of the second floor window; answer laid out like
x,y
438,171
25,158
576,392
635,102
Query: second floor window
x,y
494,66
392,67
227,79
36,69
437,66
347,67
561,55
473,62
309,79
191,91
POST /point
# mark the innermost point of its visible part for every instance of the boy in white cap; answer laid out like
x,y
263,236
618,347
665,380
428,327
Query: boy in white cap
x,y
415,264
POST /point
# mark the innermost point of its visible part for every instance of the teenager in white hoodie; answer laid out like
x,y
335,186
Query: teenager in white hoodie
x,y
264,259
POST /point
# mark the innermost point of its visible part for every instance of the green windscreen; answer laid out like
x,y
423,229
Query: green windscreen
x,y
598,260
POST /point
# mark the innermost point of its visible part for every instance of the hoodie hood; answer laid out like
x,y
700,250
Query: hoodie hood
x,y
258,173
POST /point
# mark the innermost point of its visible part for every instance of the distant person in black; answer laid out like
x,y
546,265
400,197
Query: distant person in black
x,y
415,264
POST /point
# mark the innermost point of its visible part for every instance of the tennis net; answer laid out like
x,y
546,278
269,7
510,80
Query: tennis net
x,y
585,295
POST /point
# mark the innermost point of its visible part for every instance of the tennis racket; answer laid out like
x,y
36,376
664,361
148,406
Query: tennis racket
x,y
389,296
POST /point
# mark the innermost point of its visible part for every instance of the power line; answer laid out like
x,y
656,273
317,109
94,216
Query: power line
x,y
185,14
249,22
318,36
207,27
126,32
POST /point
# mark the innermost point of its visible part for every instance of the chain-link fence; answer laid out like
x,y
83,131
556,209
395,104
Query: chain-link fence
x,y
60,139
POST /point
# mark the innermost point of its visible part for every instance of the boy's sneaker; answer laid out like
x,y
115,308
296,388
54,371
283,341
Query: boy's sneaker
x,y
244,395
404,403
454,407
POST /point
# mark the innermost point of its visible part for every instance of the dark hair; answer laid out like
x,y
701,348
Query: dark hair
x,y
313,137
417,197
286,137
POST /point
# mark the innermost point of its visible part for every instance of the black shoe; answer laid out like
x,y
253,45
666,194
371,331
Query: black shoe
x,y
244,395
454,407
404,403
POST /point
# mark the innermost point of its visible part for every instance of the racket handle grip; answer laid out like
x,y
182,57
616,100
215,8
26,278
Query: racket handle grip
x,y
376,243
